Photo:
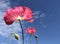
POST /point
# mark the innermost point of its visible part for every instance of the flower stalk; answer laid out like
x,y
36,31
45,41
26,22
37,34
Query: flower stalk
x,y
36,41
30,39
9,42
36,37
22,32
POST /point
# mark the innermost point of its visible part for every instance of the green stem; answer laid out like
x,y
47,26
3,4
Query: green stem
x,y
9,42
30,39
36,41
22,32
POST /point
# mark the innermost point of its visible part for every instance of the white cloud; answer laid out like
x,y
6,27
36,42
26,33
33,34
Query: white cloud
x,y
5,30
43,15
39,14
3,7
36,12
3,43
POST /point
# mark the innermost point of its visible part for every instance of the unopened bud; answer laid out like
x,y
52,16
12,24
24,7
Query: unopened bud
x,y
36,36
16,36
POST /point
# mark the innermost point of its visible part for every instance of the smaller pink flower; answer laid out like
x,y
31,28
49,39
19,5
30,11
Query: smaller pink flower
x,y
31,30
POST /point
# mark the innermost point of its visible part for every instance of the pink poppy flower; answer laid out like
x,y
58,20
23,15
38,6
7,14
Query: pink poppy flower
x,y
31,30
18,13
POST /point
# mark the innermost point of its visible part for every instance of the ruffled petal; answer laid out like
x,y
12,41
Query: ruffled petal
x,y
28,13
19,11
8,20
31,20
30,30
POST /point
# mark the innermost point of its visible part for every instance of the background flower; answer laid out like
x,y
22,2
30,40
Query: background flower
x,y
31,30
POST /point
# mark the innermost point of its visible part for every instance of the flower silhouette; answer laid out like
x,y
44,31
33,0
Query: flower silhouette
x,y
18,13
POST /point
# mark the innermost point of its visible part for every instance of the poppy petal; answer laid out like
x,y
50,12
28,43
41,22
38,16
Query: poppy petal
x,y
30,20
28,13
8,20
30,30
16,13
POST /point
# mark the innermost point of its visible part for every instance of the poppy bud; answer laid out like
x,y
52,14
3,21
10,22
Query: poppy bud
x,y
16,36
36,36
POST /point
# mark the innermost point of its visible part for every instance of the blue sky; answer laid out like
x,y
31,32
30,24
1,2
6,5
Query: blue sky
x,y
47,21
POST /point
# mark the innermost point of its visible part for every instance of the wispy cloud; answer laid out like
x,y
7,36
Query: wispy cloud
x,y
41,16
5,30
3,7
3,43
